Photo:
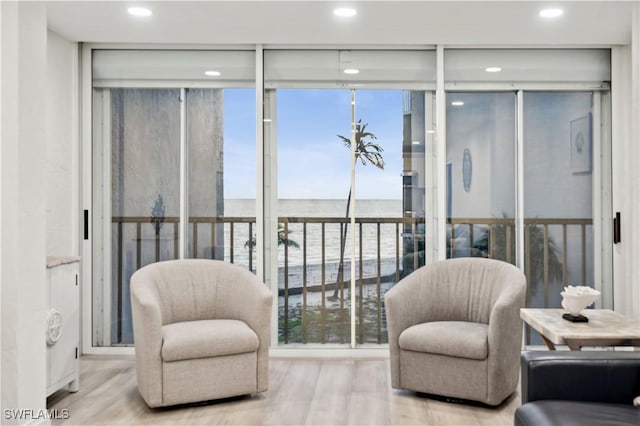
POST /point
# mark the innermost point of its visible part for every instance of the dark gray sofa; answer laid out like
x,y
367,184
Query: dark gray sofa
x,y
579,388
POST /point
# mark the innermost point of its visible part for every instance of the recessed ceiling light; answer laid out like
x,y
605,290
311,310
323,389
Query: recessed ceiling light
x,y
212,73
266,120
344,12
140,11
493,69
351,71
551,13
416,142
431,131
457,103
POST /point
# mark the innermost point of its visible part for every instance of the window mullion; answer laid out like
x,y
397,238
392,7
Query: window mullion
x,y
520,180
184,178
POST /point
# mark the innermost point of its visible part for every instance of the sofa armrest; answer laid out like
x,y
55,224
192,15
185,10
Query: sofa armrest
x,y
596,376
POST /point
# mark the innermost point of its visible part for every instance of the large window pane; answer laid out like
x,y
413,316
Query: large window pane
x,y
145,191
390,203
156,115
308,111
222,174
481,141
314,189
558,146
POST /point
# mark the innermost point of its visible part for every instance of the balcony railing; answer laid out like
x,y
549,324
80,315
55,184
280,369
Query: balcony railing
x,y
329,323
557,253
538,242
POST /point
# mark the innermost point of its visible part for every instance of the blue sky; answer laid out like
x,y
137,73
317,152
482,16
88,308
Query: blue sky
x,y
312,161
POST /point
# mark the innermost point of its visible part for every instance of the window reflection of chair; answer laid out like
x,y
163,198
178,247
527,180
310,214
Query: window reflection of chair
x,y
201,331
455,330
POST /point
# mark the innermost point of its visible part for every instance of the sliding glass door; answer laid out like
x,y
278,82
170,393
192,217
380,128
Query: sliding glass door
x,y
350,188
558,194
528,166
481,157
174,169
145,189
346,185
221,175
557,185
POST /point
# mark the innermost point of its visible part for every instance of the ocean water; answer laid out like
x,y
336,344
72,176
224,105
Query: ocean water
x,y
384,241
317,207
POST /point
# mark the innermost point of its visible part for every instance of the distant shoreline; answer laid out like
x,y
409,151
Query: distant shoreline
x,y
314,273
330,287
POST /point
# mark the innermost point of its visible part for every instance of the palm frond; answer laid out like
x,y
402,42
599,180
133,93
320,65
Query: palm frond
x,y
367,152
284,240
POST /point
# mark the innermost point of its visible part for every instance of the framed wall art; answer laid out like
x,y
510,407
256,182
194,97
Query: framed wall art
x,y
580,147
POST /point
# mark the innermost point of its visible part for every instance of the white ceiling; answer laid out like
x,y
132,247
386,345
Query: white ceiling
x,y
378,22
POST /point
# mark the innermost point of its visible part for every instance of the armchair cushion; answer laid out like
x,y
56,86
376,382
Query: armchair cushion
x,y
207,338
460,339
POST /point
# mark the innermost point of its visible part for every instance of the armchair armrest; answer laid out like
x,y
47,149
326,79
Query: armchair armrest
x,y
505,325
595,376
147,333
505,337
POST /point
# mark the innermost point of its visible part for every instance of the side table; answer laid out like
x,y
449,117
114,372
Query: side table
x,y
605,328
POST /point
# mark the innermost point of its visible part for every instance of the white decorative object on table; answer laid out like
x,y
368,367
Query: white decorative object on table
x,y
576,298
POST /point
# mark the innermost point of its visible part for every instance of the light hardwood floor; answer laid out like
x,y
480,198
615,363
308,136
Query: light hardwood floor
x,y
301,392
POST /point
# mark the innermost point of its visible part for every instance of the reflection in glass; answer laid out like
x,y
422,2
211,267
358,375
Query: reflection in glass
x,y
481,142
221,156
145,190
558,201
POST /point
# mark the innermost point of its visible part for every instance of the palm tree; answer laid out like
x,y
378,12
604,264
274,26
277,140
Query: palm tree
x,y
283,239
535,248
367,152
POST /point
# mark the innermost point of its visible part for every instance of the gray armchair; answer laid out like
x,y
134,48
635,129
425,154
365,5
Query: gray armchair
x,y
201,331
455,330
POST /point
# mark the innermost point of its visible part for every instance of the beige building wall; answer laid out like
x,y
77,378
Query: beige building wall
x,y
145,183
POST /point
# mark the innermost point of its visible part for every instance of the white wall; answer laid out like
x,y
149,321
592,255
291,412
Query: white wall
x,y
626,173
62,147
22,154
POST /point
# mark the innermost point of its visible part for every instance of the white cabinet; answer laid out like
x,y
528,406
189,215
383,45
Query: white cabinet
x,y
63,323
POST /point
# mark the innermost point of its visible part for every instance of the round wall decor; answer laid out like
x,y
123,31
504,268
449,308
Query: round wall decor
x,y
467,170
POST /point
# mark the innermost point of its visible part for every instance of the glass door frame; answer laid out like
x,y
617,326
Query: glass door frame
x,y
270,195
96,314
435,192
601,175
267,140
